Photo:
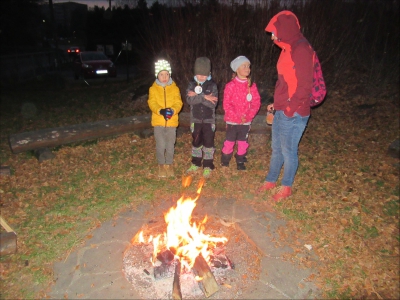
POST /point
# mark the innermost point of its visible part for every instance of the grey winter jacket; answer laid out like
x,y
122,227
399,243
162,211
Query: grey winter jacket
x,y
201,110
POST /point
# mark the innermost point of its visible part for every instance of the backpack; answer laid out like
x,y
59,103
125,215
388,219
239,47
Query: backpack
x,y
318,91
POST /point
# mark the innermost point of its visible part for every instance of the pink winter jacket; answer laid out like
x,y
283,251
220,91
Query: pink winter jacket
x,y
235,103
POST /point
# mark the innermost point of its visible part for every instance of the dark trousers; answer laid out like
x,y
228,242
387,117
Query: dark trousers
x,y
239,134
203,135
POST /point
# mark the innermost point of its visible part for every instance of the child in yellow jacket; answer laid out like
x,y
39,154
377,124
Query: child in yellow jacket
x,y
165,103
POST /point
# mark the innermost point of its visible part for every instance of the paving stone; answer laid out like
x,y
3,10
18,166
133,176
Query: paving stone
x,y
262,291
120,289
104,257
283,276
258,235
118,230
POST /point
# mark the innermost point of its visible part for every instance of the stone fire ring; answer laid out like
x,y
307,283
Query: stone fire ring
x,y
96,270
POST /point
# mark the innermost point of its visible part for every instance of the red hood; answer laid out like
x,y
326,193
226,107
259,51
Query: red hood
x,y
285,26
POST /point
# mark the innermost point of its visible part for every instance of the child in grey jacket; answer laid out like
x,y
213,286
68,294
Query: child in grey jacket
x,y
202,96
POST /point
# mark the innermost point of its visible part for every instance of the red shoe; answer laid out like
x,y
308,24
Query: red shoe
x,y
283,192
266,187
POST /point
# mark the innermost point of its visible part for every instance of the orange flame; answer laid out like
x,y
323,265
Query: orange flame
x,y
141,238
184,238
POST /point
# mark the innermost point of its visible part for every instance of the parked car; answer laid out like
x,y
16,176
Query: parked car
x,y
91,64
73,50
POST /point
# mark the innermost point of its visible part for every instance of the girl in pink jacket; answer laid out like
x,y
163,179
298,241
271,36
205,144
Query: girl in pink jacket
x,y
241,104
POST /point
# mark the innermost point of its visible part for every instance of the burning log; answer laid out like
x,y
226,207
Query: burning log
x,y
165,257
176,286
207,282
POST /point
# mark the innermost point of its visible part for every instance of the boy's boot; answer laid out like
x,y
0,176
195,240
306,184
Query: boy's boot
x,y
161,171
225,159
193,168
169,170
206,172
240,162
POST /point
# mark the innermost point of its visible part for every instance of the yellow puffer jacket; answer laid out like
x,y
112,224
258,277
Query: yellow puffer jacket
x,y
160,97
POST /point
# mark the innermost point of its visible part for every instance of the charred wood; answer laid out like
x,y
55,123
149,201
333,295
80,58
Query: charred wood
x,y
176,286
164,270
165,256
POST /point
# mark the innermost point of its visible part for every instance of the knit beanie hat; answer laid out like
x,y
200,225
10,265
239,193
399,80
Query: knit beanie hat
x,y
163,65
202,66
235,64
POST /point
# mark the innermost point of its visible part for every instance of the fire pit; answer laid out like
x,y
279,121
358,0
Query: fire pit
x,y
186,258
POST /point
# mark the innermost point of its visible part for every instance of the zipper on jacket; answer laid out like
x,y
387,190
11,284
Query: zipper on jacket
x,y
165,104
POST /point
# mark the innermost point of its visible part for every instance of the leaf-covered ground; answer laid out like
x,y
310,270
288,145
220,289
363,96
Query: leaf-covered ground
x,y
345,203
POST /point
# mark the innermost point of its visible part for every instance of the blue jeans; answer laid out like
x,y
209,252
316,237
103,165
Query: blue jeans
x,y
286,135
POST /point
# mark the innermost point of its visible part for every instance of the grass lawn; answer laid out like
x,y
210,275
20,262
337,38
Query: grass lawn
x,y
345,202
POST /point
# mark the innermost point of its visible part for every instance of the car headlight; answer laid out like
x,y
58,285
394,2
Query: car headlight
x,y
86,66
111,65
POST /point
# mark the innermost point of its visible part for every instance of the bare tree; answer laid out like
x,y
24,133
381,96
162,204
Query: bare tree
x,y
129,3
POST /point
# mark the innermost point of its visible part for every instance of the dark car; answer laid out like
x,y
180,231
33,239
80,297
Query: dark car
x,y
73,50
91,64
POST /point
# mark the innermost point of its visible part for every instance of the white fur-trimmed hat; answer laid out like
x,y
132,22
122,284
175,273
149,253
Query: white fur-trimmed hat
x,y
235,64
163,65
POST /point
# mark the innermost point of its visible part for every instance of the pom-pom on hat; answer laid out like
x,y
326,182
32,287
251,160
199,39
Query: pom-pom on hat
x,y
202,66
162,65
235,64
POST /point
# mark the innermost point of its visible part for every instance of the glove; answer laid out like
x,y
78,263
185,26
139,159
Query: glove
x,y
163,112
166,113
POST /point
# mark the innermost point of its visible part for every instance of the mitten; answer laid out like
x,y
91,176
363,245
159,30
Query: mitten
x,y
163,112
168,113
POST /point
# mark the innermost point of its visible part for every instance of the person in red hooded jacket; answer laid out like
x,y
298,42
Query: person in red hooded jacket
x,y
291,101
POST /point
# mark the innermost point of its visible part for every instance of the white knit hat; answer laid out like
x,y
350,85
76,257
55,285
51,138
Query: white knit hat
x,y
235,64
163,65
